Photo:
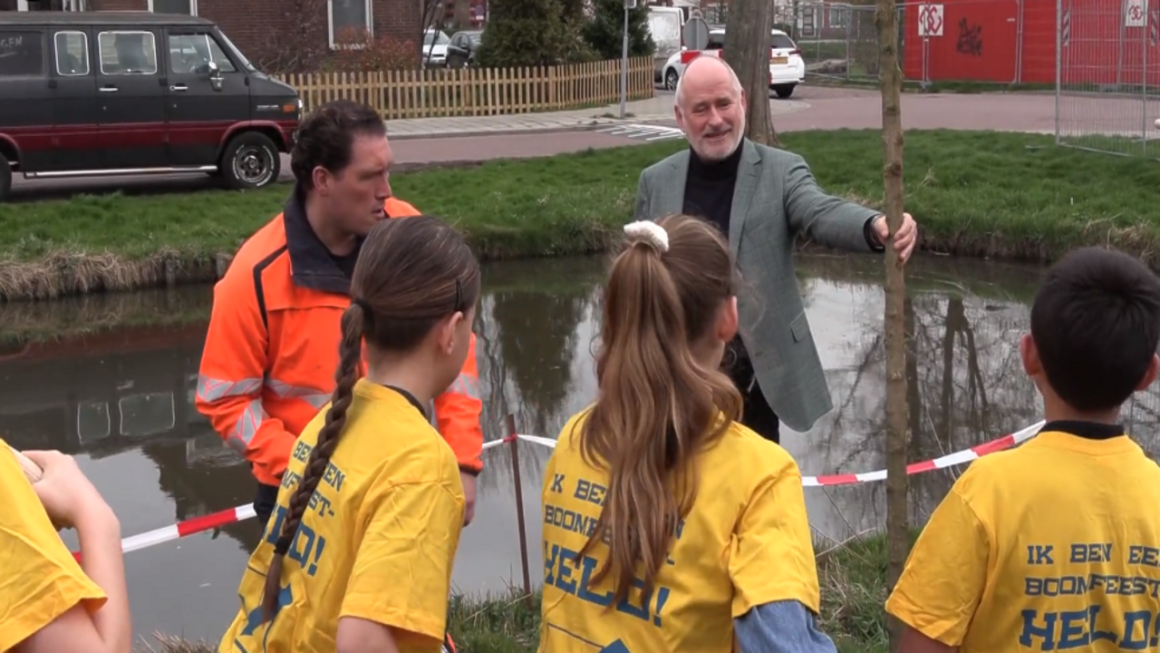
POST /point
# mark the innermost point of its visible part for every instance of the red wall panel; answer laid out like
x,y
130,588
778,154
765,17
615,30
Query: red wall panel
x,y
978,42
983,40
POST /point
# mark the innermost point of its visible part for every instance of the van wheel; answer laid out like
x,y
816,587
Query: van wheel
x,y
784,90
671,79
5,178
250,161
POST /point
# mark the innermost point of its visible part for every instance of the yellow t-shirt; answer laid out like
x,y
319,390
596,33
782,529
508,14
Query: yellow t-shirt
x,y
1054,545
376,542
745,542
39,578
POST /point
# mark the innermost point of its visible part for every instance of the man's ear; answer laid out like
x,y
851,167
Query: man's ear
x,y
322,179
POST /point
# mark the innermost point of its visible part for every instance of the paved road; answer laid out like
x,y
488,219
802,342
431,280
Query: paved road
x,y
812,107
409,153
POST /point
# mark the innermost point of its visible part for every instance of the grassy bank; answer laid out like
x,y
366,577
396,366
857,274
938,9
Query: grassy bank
x,y
1001,195
852,576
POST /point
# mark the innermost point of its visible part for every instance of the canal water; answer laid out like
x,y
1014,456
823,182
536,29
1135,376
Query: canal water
x,y
114,387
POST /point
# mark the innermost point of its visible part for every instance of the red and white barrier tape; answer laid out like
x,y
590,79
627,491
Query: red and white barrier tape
x,y
242,513
942,462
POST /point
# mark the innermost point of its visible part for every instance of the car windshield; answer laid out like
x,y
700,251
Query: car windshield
x,y
237,53
475,36
435,38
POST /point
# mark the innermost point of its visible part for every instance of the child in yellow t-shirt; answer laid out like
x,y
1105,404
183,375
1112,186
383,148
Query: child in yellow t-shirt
x,y
667,525
48,602
1055,545
358,554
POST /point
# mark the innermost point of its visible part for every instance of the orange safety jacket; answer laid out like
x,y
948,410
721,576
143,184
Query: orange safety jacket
x,y
272,348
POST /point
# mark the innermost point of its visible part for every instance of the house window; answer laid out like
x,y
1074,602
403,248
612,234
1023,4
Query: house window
x,y
185,7
837,17
809,21
350,22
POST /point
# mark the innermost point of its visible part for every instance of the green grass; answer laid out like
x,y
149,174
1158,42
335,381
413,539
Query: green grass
x,y
852,576
1003,195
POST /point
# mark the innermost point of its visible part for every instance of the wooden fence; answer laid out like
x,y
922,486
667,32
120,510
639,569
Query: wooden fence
x,y
478,91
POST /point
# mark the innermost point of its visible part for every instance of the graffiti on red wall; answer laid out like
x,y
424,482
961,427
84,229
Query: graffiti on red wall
x,y
970,39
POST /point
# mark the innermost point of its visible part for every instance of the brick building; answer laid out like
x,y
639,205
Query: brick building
x,y
250,23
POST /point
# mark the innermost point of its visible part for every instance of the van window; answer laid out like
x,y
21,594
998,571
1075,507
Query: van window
x,y
21,53
128,53
190,54
72,54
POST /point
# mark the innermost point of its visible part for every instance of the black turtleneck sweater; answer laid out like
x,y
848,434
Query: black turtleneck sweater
x,y
709,189
709,196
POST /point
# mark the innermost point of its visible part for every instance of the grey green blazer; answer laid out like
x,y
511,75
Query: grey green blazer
x,y
776,197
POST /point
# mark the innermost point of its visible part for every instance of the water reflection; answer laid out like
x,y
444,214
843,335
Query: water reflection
x,y
122,402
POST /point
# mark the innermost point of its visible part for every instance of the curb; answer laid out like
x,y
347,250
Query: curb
x,y
507,131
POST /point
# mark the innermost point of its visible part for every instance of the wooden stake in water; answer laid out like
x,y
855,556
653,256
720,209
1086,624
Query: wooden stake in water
x,y
897,528
511,429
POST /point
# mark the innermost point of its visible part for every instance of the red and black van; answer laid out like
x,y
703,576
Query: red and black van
x,y
118,93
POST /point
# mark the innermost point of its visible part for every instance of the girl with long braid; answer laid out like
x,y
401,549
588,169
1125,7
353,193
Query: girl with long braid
x,y
358,554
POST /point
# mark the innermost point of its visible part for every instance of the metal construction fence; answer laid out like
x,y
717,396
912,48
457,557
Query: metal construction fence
x,y
838,40
1101,58
1107,74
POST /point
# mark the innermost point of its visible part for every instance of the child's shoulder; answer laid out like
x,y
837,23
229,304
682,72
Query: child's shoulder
x,y
993,474
742,453
571,429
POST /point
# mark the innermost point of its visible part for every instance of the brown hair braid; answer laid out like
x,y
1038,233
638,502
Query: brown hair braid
x,y
411,273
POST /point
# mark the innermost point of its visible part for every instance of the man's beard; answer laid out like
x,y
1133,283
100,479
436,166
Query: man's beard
x,y
738,135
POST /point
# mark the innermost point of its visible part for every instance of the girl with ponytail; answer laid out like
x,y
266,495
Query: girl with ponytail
x,y
669,526
358,554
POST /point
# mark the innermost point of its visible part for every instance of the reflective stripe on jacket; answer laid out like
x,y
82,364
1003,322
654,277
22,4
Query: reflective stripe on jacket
x,y
272,348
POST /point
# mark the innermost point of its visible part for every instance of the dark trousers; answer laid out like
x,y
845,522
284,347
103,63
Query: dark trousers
x,y
758,416
756,412
264,502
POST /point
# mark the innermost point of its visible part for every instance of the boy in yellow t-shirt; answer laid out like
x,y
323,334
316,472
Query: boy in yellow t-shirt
x,y
359,550
1055,545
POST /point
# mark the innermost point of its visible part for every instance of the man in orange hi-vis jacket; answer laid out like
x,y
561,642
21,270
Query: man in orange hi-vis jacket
x,y
272,347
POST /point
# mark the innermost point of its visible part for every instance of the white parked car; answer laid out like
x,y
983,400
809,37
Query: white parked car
x,y
435,48
786,67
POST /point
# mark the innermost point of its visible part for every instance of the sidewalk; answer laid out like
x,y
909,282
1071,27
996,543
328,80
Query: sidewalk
x,y
659,107
817,107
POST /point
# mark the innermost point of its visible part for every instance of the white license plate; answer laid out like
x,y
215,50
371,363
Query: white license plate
x,y
779,60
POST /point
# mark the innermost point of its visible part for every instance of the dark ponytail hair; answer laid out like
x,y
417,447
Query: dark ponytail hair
x,y
657,406
411,273
326,138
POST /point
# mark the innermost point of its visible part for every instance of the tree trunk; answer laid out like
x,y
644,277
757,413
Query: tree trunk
x,y
890,80
747,50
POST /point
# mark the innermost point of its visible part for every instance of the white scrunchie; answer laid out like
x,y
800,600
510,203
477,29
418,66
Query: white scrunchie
x,y
649,232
